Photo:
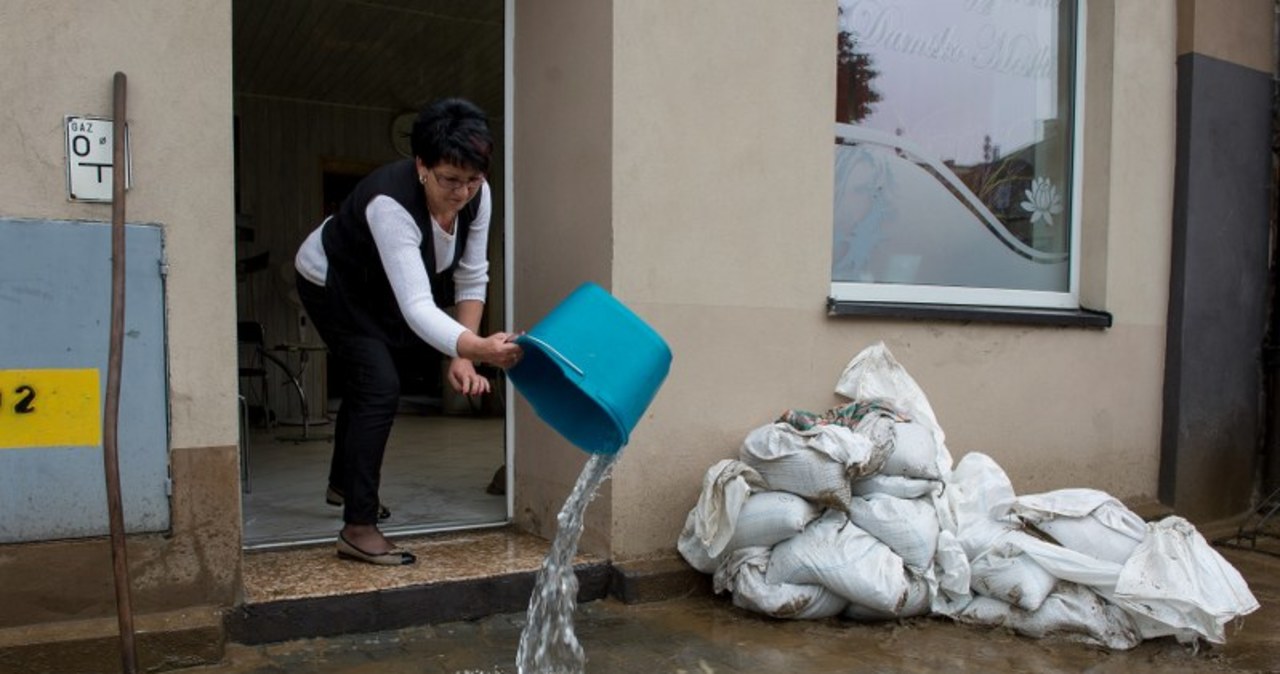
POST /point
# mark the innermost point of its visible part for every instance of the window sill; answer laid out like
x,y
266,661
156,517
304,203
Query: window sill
x,y
1071,318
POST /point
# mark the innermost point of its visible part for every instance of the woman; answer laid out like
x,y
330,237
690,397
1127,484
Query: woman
x,y
375,278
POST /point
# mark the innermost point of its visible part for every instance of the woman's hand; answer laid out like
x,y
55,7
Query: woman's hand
x,y
465,380
497,349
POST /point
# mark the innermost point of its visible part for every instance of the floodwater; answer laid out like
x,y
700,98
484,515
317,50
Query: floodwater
x,y
706,634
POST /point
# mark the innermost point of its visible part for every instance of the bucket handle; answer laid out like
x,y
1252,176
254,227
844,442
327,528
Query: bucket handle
x,y
554,352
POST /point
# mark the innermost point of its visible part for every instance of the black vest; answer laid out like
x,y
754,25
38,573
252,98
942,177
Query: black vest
x,y
356,279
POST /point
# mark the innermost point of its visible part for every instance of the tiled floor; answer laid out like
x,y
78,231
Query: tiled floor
x,y
434,477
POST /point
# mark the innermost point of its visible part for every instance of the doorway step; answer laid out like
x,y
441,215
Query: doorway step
x,y
310,592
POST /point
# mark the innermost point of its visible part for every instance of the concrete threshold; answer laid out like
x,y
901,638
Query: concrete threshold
x,y
163,641
310,592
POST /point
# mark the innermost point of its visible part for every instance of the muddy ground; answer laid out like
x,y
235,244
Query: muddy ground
x,y
708,634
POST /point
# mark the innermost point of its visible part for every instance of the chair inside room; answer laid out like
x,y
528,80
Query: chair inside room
x,y
253,357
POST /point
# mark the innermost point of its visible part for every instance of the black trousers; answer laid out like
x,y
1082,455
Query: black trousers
x,y
370,397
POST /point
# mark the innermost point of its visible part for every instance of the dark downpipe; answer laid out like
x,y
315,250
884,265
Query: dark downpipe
x,y
1271,349
111,412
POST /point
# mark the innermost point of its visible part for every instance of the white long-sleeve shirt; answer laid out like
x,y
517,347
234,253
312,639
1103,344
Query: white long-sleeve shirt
x,y
399,240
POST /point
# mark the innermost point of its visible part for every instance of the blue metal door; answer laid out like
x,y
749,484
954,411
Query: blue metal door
x,y
55,320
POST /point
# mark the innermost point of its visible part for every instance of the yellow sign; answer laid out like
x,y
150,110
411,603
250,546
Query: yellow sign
x,y
49,408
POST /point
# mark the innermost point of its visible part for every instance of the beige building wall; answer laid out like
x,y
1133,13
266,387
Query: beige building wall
x,y
563,223
60,59
721,211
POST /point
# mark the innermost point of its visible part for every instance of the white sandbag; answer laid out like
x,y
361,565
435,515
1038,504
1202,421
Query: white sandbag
x,y
914,453
894,485
1064,564
1085,520
1003,569
1071,612
1178,585
908,526
817,463
770,517
693,551
950,580
877,426
917,603
984,611
839,556
710,524
1007,574
979,497
743,574
1078,613
1090,536
874,373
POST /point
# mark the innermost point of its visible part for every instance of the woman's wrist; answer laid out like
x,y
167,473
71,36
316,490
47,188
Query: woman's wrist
x,y
468,345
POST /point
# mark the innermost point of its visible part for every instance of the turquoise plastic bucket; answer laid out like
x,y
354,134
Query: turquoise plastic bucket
x,y
590,369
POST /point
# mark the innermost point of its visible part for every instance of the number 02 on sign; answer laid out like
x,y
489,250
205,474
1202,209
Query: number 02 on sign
x,y
49,408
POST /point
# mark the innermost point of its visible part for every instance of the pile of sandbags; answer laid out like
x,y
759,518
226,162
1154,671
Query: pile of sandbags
x,y
859,512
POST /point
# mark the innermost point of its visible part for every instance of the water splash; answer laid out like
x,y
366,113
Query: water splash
x,y
547,643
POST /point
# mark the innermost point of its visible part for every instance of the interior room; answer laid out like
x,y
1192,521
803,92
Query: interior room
x,y
325,91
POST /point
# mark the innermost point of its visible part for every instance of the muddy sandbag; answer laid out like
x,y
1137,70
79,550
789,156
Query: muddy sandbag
x,y
770,517
951,578
743,574
1072,612
876,426
917,603
843,558
1008,574
915,454
908,526
817,463
1176,584
875,374
710,524
1088,521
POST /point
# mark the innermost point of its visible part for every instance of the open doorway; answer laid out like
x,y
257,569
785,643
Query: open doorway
x,y
322,89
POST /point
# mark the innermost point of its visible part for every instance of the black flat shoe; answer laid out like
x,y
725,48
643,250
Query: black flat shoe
x,y
393,557
334,498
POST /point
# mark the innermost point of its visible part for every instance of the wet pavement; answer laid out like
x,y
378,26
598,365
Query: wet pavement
x,y
703,634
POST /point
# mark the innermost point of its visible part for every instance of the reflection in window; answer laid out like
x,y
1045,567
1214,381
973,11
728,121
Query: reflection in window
x,y
954,149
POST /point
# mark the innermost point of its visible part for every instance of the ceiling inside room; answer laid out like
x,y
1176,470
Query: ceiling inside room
x,y
381,54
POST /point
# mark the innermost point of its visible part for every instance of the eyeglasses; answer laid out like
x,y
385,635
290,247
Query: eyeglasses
x,y
454,184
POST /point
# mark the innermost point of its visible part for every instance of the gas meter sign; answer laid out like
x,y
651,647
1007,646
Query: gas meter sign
x,y
89,158
49,408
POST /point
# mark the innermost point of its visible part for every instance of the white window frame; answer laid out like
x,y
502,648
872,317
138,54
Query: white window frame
x,y
896,293
509,234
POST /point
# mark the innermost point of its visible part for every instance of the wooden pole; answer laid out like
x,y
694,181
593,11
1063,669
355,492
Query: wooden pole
x,y
111,411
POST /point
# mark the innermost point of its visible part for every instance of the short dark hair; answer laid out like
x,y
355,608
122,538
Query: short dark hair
x,y
454,131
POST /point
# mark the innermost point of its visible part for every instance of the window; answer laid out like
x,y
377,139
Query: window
x,y
956,163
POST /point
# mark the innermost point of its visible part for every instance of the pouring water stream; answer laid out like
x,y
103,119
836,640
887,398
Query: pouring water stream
x,y
547,643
